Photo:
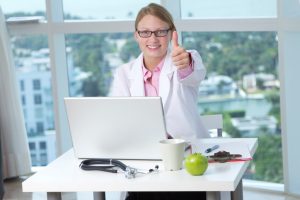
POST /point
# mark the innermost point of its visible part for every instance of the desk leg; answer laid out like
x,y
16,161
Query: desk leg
x,y
213,196
54,196
99,195
238,193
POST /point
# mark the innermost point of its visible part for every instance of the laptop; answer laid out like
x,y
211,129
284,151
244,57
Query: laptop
x,y
116,127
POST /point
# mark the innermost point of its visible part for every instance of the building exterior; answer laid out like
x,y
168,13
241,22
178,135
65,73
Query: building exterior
x,y
252,82
42,148
34,78
218,85
251,126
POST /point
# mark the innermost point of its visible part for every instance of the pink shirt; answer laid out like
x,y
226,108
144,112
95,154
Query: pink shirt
x,y
151,79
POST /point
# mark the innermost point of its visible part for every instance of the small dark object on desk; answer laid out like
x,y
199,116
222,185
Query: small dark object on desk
x,y
224,156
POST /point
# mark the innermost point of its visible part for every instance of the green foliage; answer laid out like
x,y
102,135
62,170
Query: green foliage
x,y
34,43
235,53
260,84
228,127
268,158
21,14
236,113
129,50
274,98
88,55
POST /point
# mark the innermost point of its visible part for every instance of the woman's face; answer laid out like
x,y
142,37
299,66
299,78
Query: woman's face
x,y
153,47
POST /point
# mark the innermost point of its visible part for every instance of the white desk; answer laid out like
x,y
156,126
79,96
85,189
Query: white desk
x,y
64,175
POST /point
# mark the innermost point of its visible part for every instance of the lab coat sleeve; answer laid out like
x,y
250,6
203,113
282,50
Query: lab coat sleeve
x,y
199,72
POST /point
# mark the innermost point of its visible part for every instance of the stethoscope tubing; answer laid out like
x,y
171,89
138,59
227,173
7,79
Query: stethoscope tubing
x,y
108,165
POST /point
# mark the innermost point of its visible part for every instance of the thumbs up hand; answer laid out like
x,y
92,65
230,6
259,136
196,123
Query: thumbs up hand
x,y
180,56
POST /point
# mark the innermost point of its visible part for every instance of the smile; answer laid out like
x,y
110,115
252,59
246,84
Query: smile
x,y
153,46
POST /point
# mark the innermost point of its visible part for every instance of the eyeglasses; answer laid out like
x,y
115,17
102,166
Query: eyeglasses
x,y
158,33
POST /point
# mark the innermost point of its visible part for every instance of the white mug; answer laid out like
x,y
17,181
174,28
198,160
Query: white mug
x,y
172,151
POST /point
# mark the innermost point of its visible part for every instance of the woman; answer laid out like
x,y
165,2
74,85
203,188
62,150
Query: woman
x,y
168,71
164,69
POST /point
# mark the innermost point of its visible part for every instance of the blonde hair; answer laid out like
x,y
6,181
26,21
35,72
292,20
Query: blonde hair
x,y
157,11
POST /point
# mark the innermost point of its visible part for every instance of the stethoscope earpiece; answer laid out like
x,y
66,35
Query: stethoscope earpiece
x,y
155,169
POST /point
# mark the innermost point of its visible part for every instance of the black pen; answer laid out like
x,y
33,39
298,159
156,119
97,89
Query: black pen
x,y
212,148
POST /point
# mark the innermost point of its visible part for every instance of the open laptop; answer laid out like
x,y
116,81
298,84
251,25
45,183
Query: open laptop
x,y
116,127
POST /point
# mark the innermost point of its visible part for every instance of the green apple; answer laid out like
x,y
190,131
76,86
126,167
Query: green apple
x,y
196,164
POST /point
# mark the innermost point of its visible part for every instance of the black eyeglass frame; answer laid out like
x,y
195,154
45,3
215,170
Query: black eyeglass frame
x,y
156,33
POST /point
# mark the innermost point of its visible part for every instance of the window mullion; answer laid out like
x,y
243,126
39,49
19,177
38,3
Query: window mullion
x,y
59,73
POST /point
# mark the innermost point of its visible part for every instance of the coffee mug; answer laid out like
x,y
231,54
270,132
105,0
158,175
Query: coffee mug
x,y
172,151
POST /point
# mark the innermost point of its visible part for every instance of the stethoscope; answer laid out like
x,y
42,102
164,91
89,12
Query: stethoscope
x,y
113,166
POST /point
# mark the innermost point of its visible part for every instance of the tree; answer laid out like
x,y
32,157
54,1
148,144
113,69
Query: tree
x,y
229,128
268,158
274,98
88,51
129,50
235,54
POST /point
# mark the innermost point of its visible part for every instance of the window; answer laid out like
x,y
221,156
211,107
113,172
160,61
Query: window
x,y
33,158
16,8
23,99
39,127
36,84
22,86
208,15
31,145
43,145
249,110
37,99
43,159
97,55
31,57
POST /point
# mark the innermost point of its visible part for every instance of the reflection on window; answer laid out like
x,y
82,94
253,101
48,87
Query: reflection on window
x,y
103,10
92,59
31,58
242,83
228,9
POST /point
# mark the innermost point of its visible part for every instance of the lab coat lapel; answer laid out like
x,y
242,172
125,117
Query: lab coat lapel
x,y
136,78
166,78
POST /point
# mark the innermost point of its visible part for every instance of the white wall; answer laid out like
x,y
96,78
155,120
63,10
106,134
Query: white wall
x,y
289,61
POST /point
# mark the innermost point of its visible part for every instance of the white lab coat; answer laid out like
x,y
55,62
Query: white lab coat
x,y
179,97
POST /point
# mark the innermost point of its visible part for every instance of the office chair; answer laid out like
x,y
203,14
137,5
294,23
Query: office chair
x,y
212,122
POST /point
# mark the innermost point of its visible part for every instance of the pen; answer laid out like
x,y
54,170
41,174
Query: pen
x,y
212,148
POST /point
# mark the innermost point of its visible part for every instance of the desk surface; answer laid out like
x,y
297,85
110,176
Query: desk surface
x,y
64,175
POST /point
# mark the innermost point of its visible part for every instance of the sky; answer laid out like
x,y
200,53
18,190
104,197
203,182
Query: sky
x,y
119,9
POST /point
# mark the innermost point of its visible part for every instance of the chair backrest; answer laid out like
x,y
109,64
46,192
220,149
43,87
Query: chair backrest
x,y
213,122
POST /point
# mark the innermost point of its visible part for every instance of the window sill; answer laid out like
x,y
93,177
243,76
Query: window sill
x,y
263,186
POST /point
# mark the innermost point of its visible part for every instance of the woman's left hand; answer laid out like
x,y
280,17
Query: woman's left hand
x,y
180,57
